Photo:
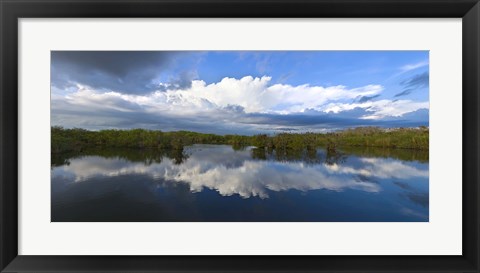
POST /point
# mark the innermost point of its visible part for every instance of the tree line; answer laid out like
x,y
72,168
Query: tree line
x,y
76,139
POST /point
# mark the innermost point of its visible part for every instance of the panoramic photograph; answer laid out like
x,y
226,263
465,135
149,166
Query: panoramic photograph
x,y
239,136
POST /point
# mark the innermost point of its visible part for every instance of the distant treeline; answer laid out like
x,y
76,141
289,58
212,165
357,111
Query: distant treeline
x,y
67,140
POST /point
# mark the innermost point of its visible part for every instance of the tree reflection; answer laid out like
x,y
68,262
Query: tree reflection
x,y
309,155
146,156
249,173
58,160
178,155
259,153
334,157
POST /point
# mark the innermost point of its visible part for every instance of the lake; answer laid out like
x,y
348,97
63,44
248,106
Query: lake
x,y
222,183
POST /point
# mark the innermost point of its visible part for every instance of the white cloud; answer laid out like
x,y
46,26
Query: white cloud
x,y
255,95
379,109
409,67
227,103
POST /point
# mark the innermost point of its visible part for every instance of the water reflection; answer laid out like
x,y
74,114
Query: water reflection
x,y
259,174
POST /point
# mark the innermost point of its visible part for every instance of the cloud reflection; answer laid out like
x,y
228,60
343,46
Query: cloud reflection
x,y
231,172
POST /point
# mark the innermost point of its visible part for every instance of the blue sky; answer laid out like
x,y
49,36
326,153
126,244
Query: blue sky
x,y
242,92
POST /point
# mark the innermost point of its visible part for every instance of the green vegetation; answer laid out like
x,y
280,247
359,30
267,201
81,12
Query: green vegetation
x,y
72,140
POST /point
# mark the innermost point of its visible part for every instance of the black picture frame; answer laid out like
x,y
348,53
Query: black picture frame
x,y
12,10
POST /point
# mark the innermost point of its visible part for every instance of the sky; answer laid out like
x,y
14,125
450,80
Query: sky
x,y
239,92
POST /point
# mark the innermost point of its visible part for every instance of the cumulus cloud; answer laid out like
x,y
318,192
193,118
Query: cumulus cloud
x,y
229,105
254,95
134,72
368,98
181,81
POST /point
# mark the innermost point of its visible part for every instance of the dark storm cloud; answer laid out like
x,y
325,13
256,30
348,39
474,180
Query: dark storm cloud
x,y
416,82
404,93
122,71
235,109
182,81
368,98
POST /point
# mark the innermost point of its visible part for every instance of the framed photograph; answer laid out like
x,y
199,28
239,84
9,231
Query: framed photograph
x,y
232,136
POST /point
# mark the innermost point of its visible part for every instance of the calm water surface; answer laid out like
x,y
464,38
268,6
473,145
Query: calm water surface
x,y
218,183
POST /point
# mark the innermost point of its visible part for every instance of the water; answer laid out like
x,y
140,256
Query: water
x,y
218,183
